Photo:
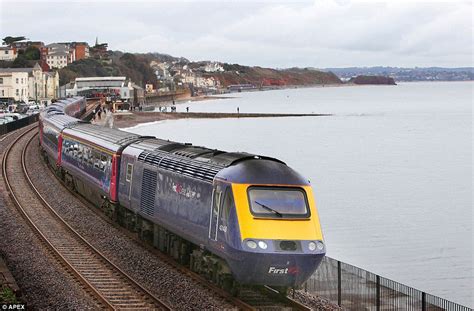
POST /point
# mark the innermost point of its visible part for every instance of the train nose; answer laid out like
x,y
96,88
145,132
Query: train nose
x,y
275,269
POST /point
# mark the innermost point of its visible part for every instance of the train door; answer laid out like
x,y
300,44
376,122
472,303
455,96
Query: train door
x,y
126,180
215,209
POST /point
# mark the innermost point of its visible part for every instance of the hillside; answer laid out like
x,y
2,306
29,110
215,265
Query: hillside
x,y
133,66
137,68
258,76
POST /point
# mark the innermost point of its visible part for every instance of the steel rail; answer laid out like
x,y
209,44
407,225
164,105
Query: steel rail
x,y
148,297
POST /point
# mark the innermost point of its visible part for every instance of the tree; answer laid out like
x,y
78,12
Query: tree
x,y
32,53
21,62
9,40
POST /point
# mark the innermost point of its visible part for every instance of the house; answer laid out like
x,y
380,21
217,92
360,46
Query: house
x,y
7,53
58,55
213,67
81,50
23,84
57,60
14,84
42,85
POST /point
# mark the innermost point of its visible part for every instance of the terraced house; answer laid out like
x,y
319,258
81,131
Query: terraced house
x,y
23,84
14,84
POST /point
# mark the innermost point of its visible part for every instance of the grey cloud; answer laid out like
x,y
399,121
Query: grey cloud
x,y
268,33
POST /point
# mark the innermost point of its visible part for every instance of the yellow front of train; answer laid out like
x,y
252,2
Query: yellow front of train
x,y
280,233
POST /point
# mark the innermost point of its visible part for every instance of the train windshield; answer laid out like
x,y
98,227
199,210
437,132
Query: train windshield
x,y
278,202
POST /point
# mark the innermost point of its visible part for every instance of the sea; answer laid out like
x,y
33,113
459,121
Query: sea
x,y
391,168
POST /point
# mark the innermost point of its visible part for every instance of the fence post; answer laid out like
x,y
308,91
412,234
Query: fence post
x,y
377,292
339,284
423,301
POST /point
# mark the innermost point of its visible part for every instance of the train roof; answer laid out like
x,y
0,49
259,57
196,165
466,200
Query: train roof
x,y
194,161
61,120
111,139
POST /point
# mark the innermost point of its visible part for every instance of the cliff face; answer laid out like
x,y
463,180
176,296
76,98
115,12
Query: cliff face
x,y
267,77
373,80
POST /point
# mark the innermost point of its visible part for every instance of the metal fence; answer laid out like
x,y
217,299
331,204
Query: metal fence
x,y
357,289
14,125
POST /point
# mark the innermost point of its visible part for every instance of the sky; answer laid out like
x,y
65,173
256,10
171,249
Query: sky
x,y
277,34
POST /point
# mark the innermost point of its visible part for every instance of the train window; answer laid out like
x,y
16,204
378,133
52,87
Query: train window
x,y
96,159
226,207
103,162
216,202
79,152
85,155
129,172
278,202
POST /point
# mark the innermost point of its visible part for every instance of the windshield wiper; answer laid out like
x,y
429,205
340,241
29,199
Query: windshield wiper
x,y
270,209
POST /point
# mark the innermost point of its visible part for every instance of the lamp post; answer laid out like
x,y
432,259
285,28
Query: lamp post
x,y
36,93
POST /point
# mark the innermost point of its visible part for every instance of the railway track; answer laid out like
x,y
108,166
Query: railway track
x,y
112,287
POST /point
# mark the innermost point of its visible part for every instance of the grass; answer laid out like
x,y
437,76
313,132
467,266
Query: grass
x,y
7,295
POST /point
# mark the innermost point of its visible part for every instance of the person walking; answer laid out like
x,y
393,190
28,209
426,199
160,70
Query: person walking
x,y
187,109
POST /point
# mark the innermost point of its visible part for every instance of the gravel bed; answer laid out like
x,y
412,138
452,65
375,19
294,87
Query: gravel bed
x,y
315,302
180,291
42,281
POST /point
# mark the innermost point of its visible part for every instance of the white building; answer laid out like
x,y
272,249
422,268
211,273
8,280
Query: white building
x,y
57,60
14,84
118,86
7,53
42,85
213,67
59,55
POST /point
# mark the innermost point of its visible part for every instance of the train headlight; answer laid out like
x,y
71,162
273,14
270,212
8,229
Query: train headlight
x,y
262,245
251,244
319,245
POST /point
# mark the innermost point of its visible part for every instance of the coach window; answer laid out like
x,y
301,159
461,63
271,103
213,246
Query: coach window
x,y
85,154
75,150
80,151
225,210
96,159
129,172
103,162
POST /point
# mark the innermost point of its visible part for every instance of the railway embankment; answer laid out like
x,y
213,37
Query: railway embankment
x,y
129,119
9,290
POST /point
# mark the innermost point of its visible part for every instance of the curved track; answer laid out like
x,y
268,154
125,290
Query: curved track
x,y
113,288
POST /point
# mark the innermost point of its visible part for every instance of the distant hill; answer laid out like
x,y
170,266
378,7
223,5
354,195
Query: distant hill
x,y
372,80
408,74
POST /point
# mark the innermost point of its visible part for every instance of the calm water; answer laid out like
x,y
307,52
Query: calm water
x,y
392,171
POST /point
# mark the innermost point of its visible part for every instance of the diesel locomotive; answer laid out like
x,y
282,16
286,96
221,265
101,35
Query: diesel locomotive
x,y
239,218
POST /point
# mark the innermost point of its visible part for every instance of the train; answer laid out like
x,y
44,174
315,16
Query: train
x,y
235,217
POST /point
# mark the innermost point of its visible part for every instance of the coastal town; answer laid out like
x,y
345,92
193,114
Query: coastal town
x,y
33,74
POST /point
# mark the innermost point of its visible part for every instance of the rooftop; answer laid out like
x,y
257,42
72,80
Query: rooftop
x,y
91,79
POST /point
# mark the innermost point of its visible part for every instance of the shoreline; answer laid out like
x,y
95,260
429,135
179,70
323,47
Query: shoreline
x,y
235,94
132,119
